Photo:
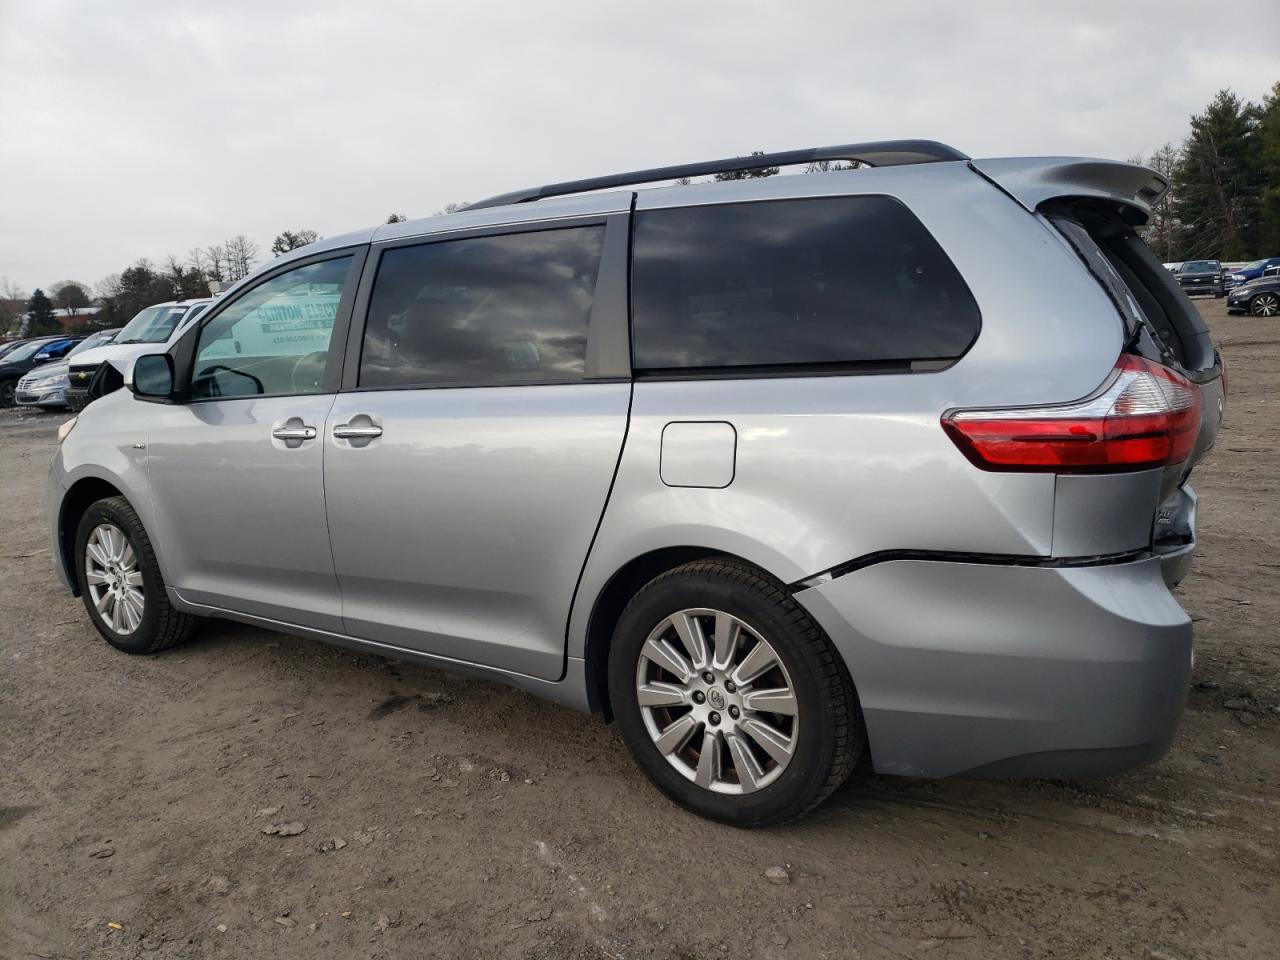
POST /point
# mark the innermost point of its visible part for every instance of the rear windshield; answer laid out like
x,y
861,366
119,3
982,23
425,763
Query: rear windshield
x,y
1147,296
804,284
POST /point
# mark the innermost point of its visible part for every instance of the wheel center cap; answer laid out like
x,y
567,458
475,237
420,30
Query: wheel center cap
x,y
716,698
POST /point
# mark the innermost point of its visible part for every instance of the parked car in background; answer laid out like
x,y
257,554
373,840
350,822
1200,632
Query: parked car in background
x,y
46,385
776,473
1260,297
1250,271
10,345
1201,276
23,359
1171,267
103,368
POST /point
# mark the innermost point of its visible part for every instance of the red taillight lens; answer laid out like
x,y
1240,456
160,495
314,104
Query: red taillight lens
x,y
1147,416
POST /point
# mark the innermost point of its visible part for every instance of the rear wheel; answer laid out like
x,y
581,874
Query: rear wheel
x,y
1265,305
120,581
730,697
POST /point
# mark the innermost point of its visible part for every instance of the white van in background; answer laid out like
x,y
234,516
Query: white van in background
x,y
158,324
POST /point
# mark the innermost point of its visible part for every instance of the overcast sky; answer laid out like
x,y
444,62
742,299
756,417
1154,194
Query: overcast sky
x,y
136,129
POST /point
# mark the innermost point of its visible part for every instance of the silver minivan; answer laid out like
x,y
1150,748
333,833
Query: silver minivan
x,y
882,466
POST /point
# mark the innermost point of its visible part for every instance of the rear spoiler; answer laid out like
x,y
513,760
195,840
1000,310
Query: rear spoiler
x,y
1033,181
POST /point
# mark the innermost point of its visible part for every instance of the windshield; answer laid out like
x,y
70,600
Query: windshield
x,y
1200,266
27,350
152,325
1255,265
97,340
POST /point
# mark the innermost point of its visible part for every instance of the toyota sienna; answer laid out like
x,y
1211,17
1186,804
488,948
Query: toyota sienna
x,y
887,464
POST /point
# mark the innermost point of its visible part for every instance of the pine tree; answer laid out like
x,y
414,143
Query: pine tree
x,y
749,174
1268,133
288,240
1218,182
40,312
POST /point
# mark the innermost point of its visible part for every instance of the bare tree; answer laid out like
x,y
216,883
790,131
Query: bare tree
x,y
397,218
198,261
215,262
13,305
10,290
1161,233
453,206
241,255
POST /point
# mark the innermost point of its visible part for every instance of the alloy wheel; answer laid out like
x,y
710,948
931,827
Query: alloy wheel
x,y
114,579
1265,305
717,701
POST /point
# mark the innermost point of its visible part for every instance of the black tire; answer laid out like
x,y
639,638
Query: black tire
x,y
7,388
161,625
831,734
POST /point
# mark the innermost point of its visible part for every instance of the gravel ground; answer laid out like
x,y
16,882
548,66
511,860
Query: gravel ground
x,y
451,817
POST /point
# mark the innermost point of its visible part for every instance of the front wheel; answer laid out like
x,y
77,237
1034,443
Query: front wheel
x,y
731,698
120,581
1265,305
7,389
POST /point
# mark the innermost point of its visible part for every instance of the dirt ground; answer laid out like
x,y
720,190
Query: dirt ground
x,y
447,817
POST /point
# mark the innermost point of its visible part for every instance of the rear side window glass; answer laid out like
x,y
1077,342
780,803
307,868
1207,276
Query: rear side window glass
x,y
483,311
825,282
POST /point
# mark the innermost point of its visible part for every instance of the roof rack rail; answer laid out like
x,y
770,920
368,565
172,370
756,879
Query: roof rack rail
x,y
883,153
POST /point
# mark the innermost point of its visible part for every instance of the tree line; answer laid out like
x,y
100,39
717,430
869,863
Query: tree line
x,y
119,296
1224,197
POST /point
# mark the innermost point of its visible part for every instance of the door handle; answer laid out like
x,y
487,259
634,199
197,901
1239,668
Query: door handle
x,y
348,431
294,433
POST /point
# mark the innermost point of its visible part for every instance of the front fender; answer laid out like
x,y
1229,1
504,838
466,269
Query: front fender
x,y
107,447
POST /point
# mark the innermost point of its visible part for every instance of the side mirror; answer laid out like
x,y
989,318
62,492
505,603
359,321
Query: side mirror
x,y
151,378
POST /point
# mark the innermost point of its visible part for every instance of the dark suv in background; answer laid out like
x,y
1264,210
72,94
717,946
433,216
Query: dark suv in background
x,y
1202,276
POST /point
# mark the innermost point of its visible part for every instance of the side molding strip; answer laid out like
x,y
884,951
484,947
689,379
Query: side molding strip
x,y
955,556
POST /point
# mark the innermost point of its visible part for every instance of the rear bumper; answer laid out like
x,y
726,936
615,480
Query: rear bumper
x,y
1010,670
1175,534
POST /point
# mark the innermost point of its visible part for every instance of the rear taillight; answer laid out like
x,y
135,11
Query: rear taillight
x,y
1146,416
